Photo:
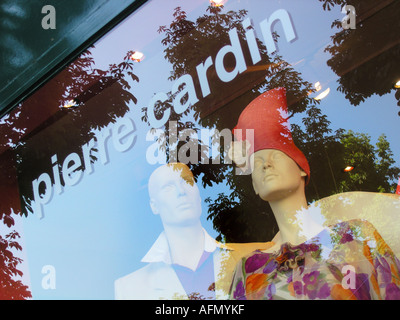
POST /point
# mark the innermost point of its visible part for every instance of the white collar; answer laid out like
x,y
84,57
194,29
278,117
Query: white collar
x,y
159,252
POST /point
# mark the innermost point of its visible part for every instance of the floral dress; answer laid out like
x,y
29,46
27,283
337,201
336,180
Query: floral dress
x,y
349,261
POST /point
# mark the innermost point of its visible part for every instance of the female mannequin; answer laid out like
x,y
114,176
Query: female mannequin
x,y
309,260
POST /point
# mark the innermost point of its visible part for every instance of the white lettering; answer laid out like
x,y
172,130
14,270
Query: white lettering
x,y
349,21
189,151
187,96
41,200
202,75
86,151
72,168
204,149
266,28
190,147
70,172
56,175
188,91
221,309
153,152
349,279
226,134
49,21
236,50
122,135
102,145
251,40
172,310
154,122
49,280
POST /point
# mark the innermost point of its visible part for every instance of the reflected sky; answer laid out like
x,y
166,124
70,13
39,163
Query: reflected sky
x,y
306,54
105,220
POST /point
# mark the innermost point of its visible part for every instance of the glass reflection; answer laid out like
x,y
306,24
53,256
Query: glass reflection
x,y
181,261
185,262
330,133
336,253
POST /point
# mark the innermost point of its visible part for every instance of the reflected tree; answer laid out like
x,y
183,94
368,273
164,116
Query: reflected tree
x,y
238,214
99,98
188,44
330,152
366,58
374,168
11,287
42,127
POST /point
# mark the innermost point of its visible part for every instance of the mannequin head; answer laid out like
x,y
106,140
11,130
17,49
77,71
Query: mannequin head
x,y
275,175
267,116
174,195
279,169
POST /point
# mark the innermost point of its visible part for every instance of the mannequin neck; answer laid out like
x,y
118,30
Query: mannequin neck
x,y
285,211
186,244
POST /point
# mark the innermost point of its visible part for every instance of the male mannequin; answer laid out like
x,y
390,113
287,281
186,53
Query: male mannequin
x,y
185,262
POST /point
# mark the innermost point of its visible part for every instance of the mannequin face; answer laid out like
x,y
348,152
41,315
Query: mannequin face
x,y
275,175
174,195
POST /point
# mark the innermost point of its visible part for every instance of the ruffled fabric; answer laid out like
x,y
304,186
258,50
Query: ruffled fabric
x,y
350,261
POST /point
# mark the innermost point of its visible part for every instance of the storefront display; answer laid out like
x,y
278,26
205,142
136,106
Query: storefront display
x,y
161,163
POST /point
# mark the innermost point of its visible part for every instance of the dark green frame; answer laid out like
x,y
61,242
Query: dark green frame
x,y
79,23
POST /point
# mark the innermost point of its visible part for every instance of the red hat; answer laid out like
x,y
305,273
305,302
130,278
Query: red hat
x,y
268,116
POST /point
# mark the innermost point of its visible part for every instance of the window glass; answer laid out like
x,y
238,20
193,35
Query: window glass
x,y
86,194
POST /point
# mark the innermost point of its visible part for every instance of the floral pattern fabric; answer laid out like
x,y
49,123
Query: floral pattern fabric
x,y
349,261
